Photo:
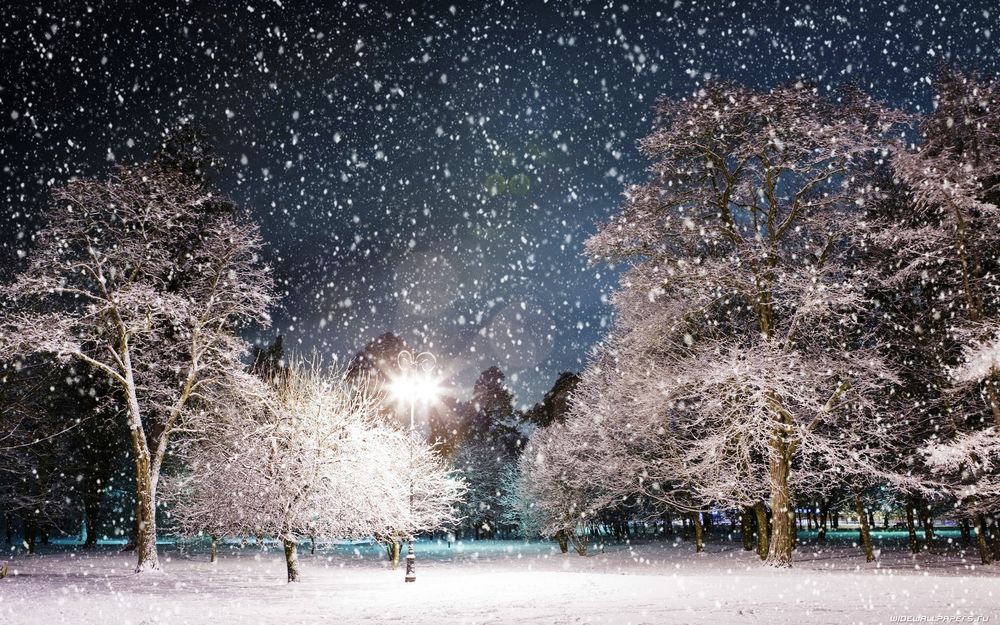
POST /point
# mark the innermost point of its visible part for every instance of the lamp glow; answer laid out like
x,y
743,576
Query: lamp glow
x,y
414,387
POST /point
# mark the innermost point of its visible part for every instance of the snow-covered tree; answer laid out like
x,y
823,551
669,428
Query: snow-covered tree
x,y
518,507
646,445
944,253
951,242
311,457
435,492
552,497
145,276
913,335
740,338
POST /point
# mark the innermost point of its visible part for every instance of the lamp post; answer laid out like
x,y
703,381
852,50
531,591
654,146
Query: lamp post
x,y
415,382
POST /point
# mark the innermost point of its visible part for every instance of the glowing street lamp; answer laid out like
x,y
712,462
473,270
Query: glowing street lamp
x,y
415,383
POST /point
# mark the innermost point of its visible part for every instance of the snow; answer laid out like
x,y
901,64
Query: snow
x,y
505,582
981,360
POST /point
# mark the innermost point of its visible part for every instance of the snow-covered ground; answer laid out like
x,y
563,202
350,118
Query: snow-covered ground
x,y
653,582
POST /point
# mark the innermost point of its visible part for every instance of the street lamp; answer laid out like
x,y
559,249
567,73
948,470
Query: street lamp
x,y
414,383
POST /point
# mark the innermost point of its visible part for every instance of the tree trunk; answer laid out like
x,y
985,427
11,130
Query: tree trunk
x,y
699,537
865,529
90,523
394,553
780,553
995,533
760,513
291,557
822,521
928,524
911,527
984,549
312,545
746,527
966,530
30,532
145,480
145,512
215,548
563,541
580,543
793,527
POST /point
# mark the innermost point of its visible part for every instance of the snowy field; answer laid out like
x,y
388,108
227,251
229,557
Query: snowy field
x,y
502,582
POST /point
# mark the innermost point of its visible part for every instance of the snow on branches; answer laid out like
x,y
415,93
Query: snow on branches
x,y
740,349
943,248
553,498
144,276
311,456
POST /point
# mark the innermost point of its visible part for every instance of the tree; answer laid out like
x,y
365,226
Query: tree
x,y
555,404
311,456
379,357
553,498
741,316
489,444
433,492
913,333
145,277
644,443
945,249
286,461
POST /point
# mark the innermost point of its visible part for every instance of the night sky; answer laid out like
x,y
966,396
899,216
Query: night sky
x,y
428,169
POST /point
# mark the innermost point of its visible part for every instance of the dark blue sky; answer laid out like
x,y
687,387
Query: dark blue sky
x,y
431,169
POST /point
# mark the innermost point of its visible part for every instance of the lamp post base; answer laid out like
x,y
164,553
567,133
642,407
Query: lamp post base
x,y
411,562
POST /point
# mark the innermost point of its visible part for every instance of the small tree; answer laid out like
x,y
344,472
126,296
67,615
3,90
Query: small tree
x,y
555,499
517,504
309,457
432,492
